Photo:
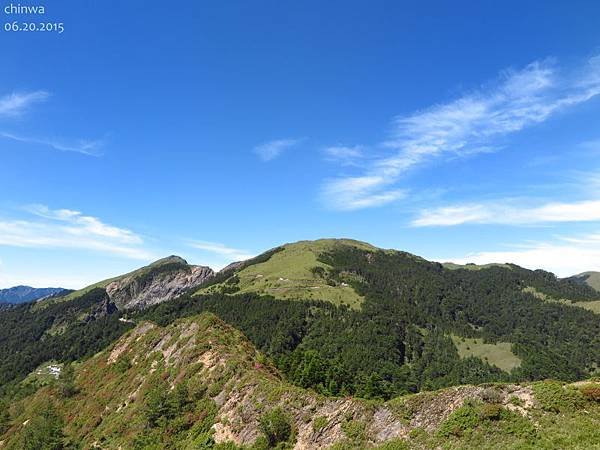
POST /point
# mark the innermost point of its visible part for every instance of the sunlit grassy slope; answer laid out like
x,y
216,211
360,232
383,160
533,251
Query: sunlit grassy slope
x,y
287,274
592,279
498,354
593,306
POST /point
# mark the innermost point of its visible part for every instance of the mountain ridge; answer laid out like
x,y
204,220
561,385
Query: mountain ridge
x,y
289,273
304,277
199,383
385,325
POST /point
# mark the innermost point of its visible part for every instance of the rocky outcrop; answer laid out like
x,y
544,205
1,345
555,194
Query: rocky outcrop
x,y
104,308
164,280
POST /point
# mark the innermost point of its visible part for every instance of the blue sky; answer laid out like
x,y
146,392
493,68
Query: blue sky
x,y
464,131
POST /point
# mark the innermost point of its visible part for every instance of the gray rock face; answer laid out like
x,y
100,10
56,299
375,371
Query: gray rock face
x,y
102,309
160,283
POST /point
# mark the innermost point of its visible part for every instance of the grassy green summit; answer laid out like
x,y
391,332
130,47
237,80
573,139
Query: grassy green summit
x,y
304,270
295,271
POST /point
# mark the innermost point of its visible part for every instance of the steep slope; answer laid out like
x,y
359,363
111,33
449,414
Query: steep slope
x,y
160,281
198,383
592,279
30,335
164,280
22,294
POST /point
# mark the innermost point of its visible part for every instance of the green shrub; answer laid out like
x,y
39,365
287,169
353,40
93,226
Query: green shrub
x,y
555,397
261,443
318,271
355,430
226,446
319,423
148,440
276,426
204,417
163,404
461,421
472,414
396,444
123,364
517,425
66,381
345,445
215,388
492,411
203,441
4,417
417,433
514,400
44,431
197,388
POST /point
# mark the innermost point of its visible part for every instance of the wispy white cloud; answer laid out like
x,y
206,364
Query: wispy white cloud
x,y
345,155
90,148
272,149
221,250
452,215
507,214
85,224
471,124
347,194
17,103
68,229
564,256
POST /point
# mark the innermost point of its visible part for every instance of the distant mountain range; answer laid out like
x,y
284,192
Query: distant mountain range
x,y
22,294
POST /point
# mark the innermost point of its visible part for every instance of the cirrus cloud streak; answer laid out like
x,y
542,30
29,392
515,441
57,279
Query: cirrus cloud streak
x,y
273,149
474,123
507,214
17,103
